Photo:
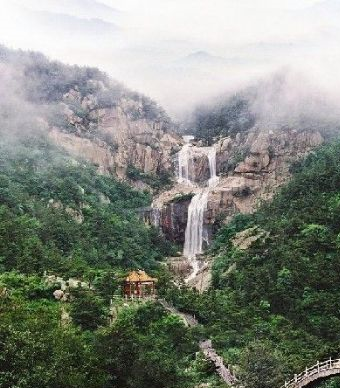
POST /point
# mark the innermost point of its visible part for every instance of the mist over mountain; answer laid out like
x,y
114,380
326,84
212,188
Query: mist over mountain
x,y
286,99
145,48
67,24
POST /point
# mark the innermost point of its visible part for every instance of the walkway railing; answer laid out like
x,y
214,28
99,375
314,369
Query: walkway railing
x,y
316,369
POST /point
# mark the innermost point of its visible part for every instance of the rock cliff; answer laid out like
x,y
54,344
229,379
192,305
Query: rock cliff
x,y
122,132
251,167
116,138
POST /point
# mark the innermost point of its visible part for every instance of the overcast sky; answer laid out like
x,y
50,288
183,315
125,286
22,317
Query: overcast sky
x,y
181,51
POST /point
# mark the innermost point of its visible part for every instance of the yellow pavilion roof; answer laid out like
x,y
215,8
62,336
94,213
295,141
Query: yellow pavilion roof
x,y
139,276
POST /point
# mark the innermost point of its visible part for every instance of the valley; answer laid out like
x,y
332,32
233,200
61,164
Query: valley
x,y
234,218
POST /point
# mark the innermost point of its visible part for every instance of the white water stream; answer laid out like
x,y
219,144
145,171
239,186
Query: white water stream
x,y
184,160
194,233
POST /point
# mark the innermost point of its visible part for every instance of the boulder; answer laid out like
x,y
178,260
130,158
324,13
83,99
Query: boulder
x,y
58,294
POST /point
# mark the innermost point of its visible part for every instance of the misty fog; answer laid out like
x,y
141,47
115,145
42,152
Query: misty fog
x,y
182,53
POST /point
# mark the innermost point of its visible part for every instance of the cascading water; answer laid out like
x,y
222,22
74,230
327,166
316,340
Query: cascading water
x,y
213,180
194,233
184,160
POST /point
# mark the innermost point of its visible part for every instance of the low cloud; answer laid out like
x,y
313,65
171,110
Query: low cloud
x,y
152,45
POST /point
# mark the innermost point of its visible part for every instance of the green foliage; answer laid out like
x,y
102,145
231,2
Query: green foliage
x,y
331,383
26,286
181,197
225,119
35,350
60,215
87,309
261,366
146,347
283,291
157,182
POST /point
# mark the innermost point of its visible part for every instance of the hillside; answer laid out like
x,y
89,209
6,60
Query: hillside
x,y
59,214
252,137
82,158
91,116
169,194
275,292
64,219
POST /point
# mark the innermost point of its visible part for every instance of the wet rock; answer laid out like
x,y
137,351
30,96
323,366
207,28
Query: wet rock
x,y
173,220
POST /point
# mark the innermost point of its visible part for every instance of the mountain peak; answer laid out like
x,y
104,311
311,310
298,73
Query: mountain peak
x,y
202,57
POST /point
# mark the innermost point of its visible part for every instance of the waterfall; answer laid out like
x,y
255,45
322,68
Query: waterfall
x,y
183,165
184,160
194,232
213,180
155,216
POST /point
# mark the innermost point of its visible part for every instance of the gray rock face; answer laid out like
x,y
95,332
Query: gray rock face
x,y
116,137
243,240
251,167
258,163
58,294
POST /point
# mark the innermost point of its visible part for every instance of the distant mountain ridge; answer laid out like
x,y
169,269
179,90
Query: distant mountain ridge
x,y
78,8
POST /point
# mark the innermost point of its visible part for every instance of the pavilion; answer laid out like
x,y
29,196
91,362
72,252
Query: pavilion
x,y
138,284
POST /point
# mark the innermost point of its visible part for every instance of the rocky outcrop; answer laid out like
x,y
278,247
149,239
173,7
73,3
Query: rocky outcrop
x,y
76,214
95,151
198,164
252,166
128,136
202,281
170,217
173,219
246,238
116,136
89,114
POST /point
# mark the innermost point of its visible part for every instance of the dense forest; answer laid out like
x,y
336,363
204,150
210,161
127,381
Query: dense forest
x,y
274,308
58,215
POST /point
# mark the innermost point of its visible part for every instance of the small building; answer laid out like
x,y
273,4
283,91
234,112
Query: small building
x,y
138,284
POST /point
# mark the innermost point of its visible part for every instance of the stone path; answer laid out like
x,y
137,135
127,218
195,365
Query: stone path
x,y
224,371
205,346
